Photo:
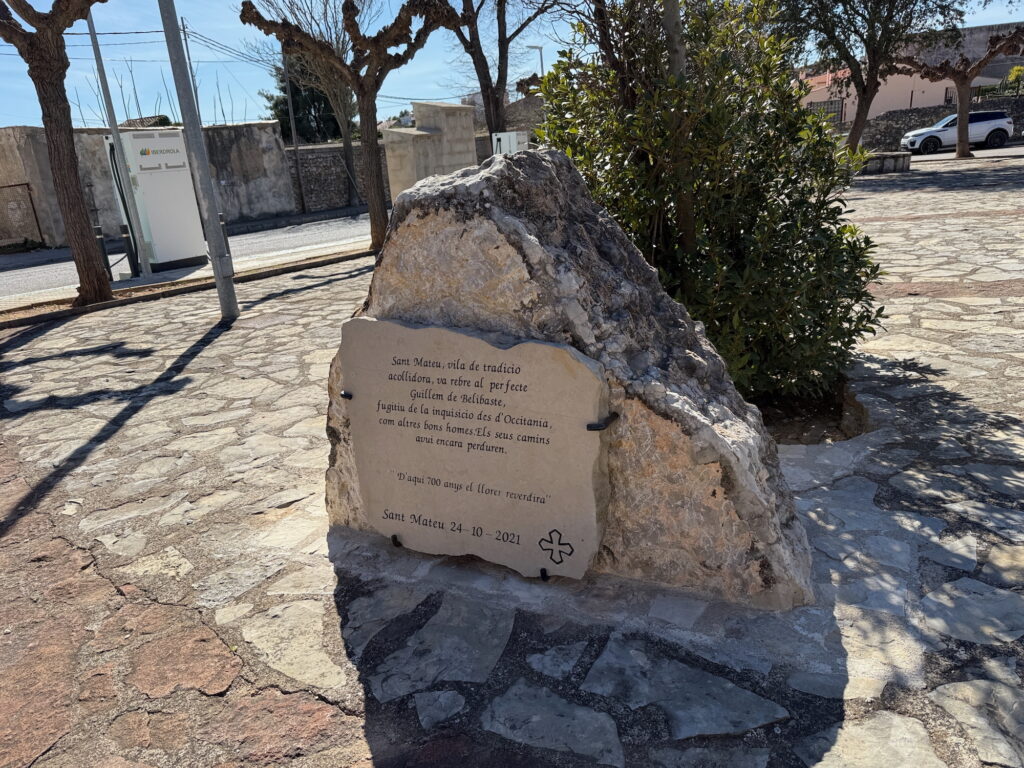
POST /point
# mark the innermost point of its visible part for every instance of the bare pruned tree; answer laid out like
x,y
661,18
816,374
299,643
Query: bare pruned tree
x,y
488,31
860,40
369,61
323,19
955,64
39,39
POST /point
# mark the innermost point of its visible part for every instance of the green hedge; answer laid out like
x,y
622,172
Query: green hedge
x,y
727,184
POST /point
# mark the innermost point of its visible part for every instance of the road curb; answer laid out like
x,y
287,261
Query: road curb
x,y
163,290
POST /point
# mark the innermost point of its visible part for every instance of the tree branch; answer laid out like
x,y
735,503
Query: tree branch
x,y
433,14
962,68
64,13
11,31
540,11
295,40
461,37
31,16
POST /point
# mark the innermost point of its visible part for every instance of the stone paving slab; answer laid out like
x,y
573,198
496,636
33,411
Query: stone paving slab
x,y
956,221
171,598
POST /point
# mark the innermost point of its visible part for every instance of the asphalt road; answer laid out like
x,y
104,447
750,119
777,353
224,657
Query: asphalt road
x,y
46,269
53,268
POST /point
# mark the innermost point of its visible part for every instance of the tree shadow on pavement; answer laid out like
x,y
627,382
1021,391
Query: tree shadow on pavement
x,y
1008,174
117,350
960,451
320,282
168,382
20,338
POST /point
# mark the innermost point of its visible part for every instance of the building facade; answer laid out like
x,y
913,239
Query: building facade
x,y
828,95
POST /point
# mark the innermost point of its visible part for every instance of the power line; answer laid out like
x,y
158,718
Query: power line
x,y
218,47
134,32
423,98
245,92
111,45
106,45
155,61
235,56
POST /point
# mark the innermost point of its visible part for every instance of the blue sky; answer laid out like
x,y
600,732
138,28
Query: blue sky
x,y
435,73
432,75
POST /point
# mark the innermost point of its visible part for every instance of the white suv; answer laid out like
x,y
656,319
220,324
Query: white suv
x,y
992,129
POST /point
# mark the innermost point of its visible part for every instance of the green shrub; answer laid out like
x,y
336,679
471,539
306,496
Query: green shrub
x,y
726,183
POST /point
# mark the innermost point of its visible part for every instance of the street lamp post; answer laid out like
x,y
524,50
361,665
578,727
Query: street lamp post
x,y
540,50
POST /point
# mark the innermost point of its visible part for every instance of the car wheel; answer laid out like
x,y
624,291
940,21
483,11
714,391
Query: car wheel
x,y
996,139
930,146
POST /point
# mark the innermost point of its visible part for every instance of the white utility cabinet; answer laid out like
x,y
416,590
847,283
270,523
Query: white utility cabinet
x,y
509,142
165,194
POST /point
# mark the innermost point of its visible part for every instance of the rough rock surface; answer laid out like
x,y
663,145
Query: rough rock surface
x,y
517,246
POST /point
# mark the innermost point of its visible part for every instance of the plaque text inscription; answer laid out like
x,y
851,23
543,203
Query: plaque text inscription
x,y
470,444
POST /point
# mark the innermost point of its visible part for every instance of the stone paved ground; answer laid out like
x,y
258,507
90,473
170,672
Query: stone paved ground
x,y
168,598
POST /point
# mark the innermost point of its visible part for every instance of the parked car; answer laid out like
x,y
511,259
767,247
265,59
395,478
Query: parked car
x,y
990,129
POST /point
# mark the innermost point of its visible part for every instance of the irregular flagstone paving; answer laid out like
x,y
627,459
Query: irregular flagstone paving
x,y
170,597
968,231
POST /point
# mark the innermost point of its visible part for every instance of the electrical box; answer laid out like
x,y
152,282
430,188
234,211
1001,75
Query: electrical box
x,y
165,195
505,143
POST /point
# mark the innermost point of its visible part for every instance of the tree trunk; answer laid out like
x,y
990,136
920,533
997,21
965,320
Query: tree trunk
x,y
93,282
349,156
498,109
487,97
376,197
672,22
860,118
494,102
340,105
963,114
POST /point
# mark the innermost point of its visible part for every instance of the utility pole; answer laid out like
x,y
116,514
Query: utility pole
x,y
295,134
191,71
142,247
195,146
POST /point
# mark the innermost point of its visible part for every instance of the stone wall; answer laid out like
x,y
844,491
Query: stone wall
x,y
525,114
324,179
886,162
248,165
885,131
441,142
94,168
483,148
24,160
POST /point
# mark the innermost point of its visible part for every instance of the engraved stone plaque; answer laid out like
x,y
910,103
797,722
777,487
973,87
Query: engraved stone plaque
x,y
468,443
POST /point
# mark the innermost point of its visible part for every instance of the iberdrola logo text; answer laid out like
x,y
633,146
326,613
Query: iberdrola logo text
x,y
147,151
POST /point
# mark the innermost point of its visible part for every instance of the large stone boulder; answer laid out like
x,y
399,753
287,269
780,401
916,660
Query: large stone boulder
x,y
517,246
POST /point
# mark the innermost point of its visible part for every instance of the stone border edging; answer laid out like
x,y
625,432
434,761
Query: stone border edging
x,y
885,162
949,290
176,288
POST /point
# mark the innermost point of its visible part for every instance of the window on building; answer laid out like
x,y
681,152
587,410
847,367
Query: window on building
x,y
832,109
